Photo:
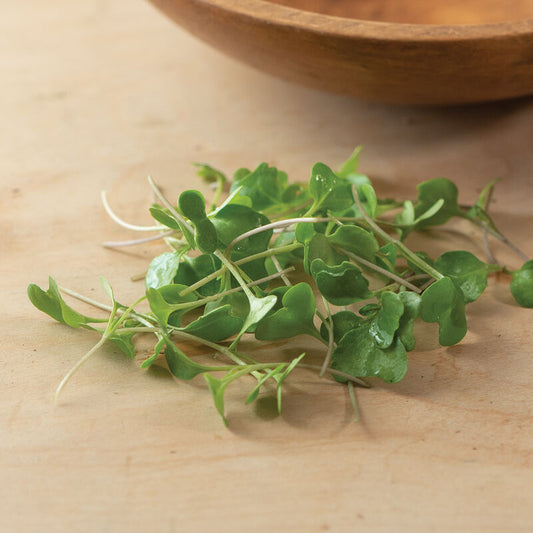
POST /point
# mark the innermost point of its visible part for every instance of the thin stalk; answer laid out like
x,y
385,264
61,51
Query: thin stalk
x,y
283,214
329,352
288,222
207,299
500,236
408,254
133,242
273,225
218,193
76,367
123,223
102,306
110,329
235,272
380,270
338,373
279,268
220,271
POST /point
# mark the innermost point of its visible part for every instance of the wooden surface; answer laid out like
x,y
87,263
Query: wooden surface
x,y
418,63
96,95
420,11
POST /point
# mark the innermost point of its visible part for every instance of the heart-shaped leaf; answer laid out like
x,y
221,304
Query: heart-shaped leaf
x,y
466,270
443,302
343,321
358,355
328,190
356,240
411,309
264,186
429,193
319,247
387,320
294,318
342,284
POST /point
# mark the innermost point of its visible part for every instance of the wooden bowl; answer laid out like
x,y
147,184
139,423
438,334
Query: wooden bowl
x,y
397,51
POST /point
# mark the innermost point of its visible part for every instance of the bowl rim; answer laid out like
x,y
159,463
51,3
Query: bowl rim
x,y
367,29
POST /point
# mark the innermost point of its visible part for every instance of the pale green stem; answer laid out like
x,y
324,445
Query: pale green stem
x,y
500,236
110,329
75,368
100,305
380,270
218,193
235,272
279,268
207,299
408,254
329,352
220,271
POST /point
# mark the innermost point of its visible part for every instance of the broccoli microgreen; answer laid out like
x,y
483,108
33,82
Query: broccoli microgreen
x,y
276,260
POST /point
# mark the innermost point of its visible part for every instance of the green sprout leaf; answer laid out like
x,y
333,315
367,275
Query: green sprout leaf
x,y
52,303
209,174
466,270
191,270
443,302
387,320
162,270
411,310
343,322
249,268
167,304
522,284
358,355
216,325
356,240
217,387
429,194
328,190
350,165
192,205
264,186
294,318
343,284
180,365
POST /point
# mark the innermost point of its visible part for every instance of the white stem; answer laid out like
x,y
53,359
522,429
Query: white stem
x,y
284,278
74,369
118,244
123,223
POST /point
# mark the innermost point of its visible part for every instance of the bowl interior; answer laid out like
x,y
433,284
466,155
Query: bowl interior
x,y
420,11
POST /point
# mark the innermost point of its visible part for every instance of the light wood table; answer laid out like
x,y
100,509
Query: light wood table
x,y
97,95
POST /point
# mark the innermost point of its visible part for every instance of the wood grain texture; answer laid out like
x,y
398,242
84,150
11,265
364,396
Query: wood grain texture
x,y
96,95
420,11
378,61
